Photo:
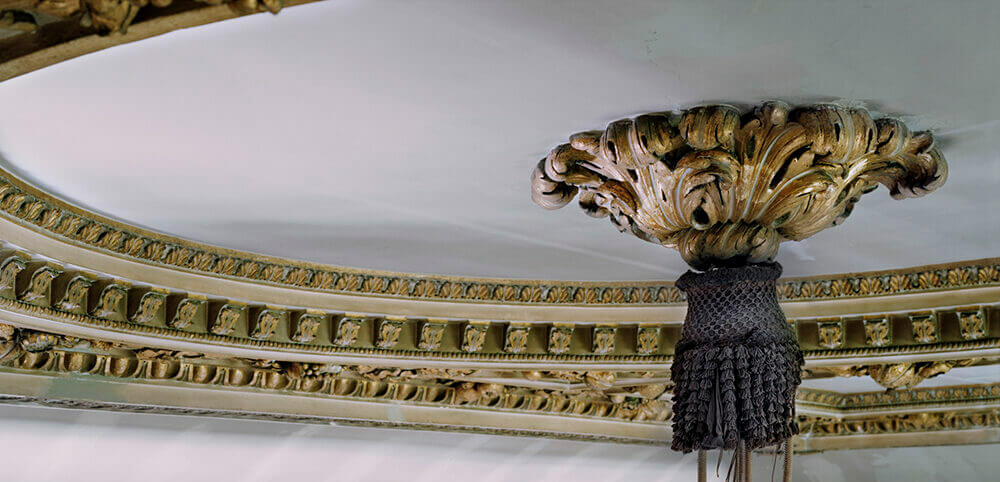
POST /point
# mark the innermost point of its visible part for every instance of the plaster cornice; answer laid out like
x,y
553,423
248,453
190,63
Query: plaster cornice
x,y
624,407
597,364
312,312
45,214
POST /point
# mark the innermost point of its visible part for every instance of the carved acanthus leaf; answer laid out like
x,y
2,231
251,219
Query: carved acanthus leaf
x,y
903,375
727,188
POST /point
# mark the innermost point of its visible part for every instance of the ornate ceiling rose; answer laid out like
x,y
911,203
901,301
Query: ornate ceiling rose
x,y
726,187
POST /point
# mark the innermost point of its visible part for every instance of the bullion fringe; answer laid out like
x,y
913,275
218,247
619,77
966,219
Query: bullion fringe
x,y
740,387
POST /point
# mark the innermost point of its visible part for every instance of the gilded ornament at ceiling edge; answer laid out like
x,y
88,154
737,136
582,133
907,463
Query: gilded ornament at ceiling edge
x,y
725,187
560,338
604,339
972,323
648,340
830,334
347,331
40,286
225,321
602,398
474,337
329,332
113,16
924,327
308,327
877,332
903,375
187,312
517,338
430,335
267,323
388,333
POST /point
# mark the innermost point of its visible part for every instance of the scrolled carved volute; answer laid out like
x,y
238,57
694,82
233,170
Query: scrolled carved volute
x,y
725,187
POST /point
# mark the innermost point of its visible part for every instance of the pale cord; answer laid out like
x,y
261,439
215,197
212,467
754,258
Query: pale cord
x,y
788,460
732,463
774,462
738,458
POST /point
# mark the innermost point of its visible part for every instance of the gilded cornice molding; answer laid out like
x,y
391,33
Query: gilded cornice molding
x,y
897,430
37,33
850,404
38,288
631,407
28,206
903,375
319,419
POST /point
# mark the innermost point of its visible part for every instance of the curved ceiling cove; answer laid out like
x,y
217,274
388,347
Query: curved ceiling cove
x,y
399,140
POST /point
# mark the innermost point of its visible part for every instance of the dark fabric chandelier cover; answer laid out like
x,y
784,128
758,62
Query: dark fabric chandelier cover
x,y
737,365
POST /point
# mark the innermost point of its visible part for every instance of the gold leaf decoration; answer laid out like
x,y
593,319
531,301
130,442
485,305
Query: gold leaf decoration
x,y
724,188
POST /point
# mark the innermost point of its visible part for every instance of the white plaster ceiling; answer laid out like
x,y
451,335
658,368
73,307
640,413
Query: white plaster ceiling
x,y
400,135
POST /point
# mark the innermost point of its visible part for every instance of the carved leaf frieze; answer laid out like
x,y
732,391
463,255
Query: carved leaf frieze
x,y
42,287
639,397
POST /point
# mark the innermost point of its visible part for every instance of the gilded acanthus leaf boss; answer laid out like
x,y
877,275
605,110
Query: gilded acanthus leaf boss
x,y
725,187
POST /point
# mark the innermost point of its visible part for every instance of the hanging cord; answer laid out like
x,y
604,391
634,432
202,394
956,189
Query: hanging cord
x,y
788,460
774,462
739,467
732,462
738,463
702,470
